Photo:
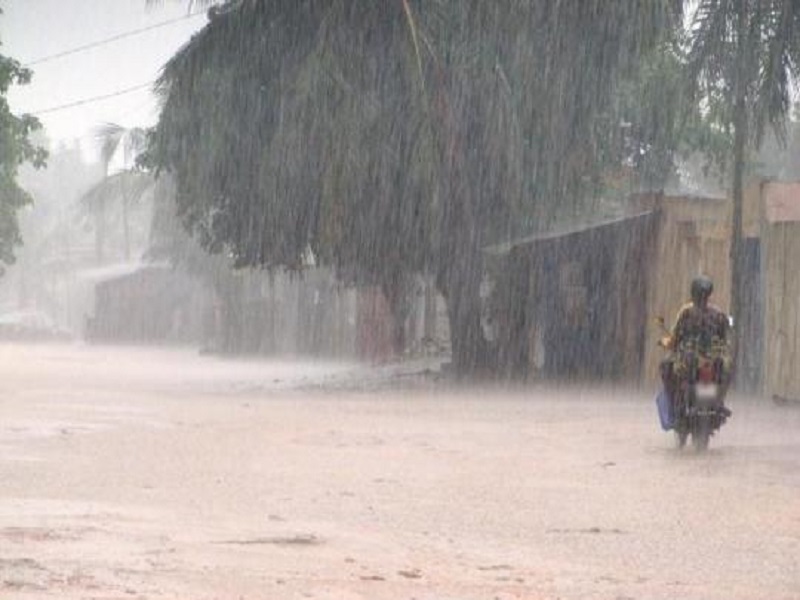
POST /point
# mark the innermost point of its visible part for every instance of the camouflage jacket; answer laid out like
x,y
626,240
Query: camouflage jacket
x,y
702,330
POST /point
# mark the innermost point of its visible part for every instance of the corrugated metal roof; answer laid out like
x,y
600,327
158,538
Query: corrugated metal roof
x,y
505,247
111,272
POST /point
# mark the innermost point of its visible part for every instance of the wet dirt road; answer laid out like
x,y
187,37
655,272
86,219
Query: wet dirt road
x,y
166,475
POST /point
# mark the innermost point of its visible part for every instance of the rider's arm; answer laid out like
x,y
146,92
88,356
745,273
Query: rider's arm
x,y
677,330
725,330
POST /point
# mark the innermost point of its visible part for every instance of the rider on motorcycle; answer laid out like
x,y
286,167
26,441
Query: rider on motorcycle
x,y
700,327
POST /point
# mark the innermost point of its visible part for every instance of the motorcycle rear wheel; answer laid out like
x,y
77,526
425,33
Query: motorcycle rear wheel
x,y
701,436
680,438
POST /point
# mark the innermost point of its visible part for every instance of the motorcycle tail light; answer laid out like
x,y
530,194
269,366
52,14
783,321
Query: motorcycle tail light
x,y
706,374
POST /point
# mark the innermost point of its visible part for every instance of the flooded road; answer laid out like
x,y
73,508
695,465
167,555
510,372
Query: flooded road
x,y
132,473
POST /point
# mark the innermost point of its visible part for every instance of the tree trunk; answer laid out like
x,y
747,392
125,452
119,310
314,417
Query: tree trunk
x,y
469,346
460,269
459,277
430,310
126,226
398,332
740,120
460,286
397,290
230,296
513,322
100,233
738,285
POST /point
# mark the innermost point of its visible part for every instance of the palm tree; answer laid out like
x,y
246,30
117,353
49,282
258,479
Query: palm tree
x,y
744,57
125,186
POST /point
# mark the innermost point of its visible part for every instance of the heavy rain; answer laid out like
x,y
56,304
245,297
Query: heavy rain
x,y
399,299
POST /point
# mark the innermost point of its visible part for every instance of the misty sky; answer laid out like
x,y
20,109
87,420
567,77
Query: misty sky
x,y
33,29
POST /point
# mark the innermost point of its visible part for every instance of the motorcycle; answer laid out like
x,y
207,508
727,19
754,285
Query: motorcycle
x,y
698,407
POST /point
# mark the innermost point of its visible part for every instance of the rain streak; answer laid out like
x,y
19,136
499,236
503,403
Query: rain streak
x,y
399,299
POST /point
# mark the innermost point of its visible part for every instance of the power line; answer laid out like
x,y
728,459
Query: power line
x,y
93,99
115,38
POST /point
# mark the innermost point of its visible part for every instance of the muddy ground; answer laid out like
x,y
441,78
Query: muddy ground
x,y
132,473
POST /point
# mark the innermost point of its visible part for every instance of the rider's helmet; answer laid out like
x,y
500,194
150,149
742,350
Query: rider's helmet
x,y
702,287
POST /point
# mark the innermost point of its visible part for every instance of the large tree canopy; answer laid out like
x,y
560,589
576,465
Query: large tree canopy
x,y
15,149
396,137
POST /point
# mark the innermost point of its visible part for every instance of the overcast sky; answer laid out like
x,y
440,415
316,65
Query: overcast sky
x,y
34,29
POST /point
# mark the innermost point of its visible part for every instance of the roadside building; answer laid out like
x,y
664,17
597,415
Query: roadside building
x,y
581,303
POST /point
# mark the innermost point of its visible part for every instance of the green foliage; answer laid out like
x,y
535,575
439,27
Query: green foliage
x,y
15,149
331,125
665,126
752,48
395,137
283,168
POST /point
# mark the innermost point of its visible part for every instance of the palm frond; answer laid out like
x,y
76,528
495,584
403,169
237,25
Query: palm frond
x,y
108,136
191,5
129,186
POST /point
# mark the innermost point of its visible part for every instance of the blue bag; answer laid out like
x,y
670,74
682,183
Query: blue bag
x,y
665,412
